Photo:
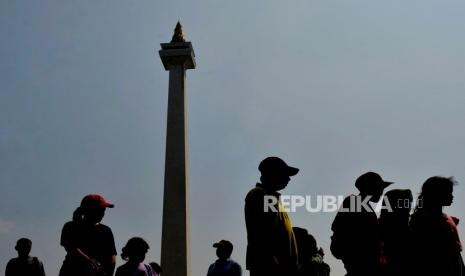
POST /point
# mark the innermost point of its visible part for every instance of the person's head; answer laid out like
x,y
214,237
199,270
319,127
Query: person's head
x,y
135,250
23,246
224,249
275,173
371,184
311,244
400,203
306,243
92,209
437,192
156,267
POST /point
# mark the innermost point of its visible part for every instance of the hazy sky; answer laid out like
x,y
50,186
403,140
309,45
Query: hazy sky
x,y
335,88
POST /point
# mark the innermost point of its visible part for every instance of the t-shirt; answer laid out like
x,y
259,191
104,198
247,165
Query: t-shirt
x,y
224,268
269,233
355,237
30,266
131,269
436,244
96,241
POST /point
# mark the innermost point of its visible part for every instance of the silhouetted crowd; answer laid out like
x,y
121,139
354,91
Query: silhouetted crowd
x,y
398,243
425,243
90,248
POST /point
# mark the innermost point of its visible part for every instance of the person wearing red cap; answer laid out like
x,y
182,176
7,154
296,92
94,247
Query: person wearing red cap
x,y
271,244
90,245
356,233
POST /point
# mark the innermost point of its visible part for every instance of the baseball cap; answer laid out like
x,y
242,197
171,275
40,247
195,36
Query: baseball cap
x,y
93,200
224,244
367,180
275,164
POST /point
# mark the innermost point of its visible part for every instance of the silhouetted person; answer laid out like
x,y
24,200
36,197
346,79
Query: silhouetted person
x,y
271,245
437,245
90,245
24,265
395,232
355,238
310,256
134,254
156,267
224,266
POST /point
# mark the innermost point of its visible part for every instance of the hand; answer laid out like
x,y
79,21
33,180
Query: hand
x,y
274,260
95,265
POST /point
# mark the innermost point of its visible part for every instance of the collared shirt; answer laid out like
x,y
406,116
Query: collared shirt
x,y
226,267
270,237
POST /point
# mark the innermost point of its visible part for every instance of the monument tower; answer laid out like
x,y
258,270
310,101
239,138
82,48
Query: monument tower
x,y
177,57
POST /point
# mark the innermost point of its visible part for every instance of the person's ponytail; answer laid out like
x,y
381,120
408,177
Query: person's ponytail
x,y
78,214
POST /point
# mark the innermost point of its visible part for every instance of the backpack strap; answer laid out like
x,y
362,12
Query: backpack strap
x,y
36,265
150,270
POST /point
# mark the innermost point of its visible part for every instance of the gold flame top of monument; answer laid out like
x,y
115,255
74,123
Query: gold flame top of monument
x,y
178,35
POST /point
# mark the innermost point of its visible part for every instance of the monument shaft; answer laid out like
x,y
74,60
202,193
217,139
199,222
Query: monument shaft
x,y
177,57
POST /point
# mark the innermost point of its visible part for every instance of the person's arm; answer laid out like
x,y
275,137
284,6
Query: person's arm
x,y
342,231
9,269
210,268
41,269
260,225
78,252
237,270
68,241
110,245
112,264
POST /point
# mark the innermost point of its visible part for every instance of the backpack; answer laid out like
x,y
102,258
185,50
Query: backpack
x,y
337,247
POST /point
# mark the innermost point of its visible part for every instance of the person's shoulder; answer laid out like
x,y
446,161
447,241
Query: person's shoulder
x,y
421,217
103,227
232,260
256,191
122,268
12,261
69,224
234,266
37,261
231,263
450,220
